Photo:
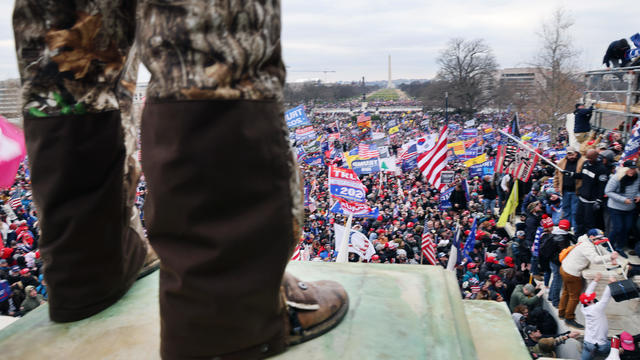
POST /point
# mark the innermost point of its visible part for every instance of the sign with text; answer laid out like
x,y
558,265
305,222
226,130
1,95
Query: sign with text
x,y
345,184
296,117
447,177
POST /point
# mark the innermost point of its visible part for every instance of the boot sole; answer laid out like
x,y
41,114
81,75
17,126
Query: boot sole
x,y
148,268
321,328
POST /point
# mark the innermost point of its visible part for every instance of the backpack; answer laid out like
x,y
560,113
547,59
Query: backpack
x,y
565,252
546,247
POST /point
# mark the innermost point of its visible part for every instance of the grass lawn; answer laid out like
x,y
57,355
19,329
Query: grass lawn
x,y
384,94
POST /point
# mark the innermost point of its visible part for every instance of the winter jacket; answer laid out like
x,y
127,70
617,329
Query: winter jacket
x,y
582,255
489,190
582,118
533,222
558,178
616,198
594,178
546,241
561,240
519,298
615,52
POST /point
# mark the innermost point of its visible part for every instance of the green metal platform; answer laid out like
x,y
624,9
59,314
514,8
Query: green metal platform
x,y
396,312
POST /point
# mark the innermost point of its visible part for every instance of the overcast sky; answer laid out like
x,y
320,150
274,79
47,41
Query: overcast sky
x,y
354,37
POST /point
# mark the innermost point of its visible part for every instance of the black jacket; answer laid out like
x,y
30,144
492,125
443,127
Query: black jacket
x,y
560,242
615,52
594,180
582,120
460,198
488,190
532,222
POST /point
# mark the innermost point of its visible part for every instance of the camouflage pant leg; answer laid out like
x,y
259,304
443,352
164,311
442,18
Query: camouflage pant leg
x,y
77,57
230,50
71,54
217,49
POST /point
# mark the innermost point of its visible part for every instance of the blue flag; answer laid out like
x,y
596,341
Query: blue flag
x,y
317,160
356,209
471,241
445,204
296,117
536,241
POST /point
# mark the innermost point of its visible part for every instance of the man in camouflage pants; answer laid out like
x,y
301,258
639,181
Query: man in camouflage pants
x,y
221,177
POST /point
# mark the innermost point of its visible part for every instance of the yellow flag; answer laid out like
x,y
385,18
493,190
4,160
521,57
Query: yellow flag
x,y
476,160
394,130
510,207
458,147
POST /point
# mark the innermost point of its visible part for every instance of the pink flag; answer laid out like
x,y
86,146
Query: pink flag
x,y
12,152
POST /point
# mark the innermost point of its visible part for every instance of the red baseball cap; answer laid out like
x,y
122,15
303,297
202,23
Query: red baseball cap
x,y
585,299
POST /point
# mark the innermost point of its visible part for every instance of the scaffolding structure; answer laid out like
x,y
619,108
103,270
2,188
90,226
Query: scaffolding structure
x,y
615,95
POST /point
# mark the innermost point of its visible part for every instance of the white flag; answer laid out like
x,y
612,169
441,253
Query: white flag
x,y
358,242
388,164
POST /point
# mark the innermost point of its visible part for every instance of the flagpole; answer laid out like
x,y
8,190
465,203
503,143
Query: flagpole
x,y
343,253
528,148
446,107
452,262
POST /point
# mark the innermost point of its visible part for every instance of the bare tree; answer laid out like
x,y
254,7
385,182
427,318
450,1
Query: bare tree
x,y
469,67
558,85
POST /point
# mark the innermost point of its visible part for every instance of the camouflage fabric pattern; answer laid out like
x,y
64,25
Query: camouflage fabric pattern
x,y
220,49
72,53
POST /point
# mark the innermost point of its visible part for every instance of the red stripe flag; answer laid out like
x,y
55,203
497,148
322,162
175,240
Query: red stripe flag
x,y
432,162
15,203
368,151
428,247
297,254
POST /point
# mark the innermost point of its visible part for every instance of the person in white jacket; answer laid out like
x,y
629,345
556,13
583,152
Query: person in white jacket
x,y
578,259
596,324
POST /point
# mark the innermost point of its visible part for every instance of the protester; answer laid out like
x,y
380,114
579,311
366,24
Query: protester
x,y
541,346
561,240
32,301
623,193
596,328
594,176
579,258
527,295
582,125
567,185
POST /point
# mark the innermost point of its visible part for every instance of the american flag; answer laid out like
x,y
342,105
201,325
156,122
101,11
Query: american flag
x,y
432,162
15,202
297,254
409,153
364,117
368,151
428,246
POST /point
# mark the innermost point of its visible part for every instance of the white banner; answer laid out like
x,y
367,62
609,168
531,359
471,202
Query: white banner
x,y
358,242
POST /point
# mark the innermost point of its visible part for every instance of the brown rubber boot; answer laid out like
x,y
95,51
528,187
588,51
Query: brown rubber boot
x,y
313,308
91,255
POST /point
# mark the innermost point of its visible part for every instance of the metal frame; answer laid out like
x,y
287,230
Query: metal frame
x,y
626,75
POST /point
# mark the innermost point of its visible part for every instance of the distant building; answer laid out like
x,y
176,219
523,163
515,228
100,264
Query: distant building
x,y
524,78
10,99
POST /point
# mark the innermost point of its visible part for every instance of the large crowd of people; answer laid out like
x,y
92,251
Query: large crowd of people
x,y
589,192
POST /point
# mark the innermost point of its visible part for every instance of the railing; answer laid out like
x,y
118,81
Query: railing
x,y
616,93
